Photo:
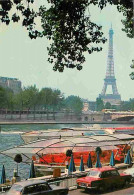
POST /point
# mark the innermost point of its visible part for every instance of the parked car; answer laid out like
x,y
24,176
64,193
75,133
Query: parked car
x,y
36,187
130,171
103,179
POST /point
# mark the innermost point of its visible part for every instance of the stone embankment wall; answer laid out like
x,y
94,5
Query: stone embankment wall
x,y
56,116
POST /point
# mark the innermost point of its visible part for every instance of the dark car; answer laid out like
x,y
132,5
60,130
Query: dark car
x,y
36,187
103,178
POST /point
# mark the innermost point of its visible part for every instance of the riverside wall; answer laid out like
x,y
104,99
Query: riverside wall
x,y
58,118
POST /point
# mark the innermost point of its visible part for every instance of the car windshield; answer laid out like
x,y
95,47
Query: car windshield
x,y
16,188
93,173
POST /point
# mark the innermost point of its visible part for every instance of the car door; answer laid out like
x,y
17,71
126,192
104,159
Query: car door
x,y
38,189
45,189
117,179
106,181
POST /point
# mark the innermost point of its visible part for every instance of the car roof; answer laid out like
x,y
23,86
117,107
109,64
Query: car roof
x,y
30,182
107,168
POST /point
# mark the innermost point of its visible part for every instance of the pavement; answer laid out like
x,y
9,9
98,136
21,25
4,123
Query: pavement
x,y
125,191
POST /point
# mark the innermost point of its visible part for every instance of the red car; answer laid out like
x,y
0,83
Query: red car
x,y
103,178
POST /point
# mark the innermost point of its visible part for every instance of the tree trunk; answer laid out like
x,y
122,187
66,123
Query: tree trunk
x,y
53,114
5,113
34,112
41,115
11,114
47,114
20,115
17,169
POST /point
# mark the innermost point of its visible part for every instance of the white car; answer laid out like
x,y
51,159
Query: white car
x,y
130,171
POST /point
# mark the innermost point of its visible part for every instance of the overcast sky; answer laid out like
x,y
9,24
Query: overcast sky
x,y
26,59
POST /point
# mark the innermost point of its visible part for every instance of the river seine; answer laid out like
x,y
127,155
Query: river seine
x,y
10,137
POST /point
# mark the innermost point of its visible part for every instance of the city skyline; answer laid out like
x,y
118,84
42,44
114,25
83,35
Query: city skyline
x,y
26,60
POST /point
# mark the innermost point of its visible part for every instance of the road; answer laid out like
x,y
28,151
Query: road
x,y
126,191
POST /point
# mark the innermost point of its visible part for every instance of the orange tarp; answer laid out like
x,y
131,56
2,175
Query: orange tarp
x,y
104,157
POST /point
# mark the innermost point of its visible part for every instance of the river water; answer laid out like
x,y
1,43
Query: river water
x,y
10,137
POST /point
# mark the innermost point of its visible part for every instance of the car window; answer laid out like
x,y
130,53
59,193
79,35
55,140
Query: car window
x,y
36,188
17,188
42,187
93,173
30,189
114,173
106,174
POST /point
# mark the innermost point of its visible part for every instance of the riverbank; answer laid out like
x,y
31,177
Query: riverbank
x,y
21,122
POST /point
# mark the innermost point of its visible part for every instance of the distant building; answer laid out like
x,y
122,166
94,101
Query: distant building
x,y
92,105
88,105
12,83
85,107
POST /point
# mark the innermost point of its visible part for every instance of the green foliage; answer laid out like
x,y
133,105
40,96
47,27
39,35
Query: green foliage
x,y
127,105
18,158
66,24
6,98
71,33
31,98
132,74
50,99
99,104
2,97
98,149
69,153
108,105
74,103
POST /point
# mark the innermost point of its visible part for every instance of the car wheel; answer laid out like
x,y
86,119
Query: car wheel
x,y
132,179
101,188
63,193
86,190
113,187
126,184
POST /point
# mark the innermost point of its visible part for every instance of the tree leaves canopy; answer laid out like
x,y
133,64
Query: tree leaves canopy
x,y
74,103
65,23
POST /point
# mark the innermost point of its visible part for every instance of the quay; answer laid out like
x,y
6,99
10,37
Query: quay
x,y
21,122
125,191
65,179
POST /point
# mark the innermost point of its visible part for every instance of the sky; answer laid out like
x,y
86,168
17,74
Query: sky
x,y
26,59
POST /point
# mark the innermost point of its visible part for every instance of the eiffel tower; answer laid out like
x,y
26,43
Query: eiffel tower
x,y
114,98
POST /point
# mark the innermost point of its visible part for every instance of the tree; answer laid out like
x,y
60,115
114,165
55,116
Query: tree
x,y
99,150
74,103
132,74
99,104
127,105
18,159
57,99
2,97
30,97
69,153
45,96
108,105
65,22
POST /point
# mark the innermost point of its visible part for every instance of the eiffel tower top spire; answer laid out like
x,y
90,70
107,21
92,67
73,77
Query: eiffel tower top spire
x,y
114,98
110,61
